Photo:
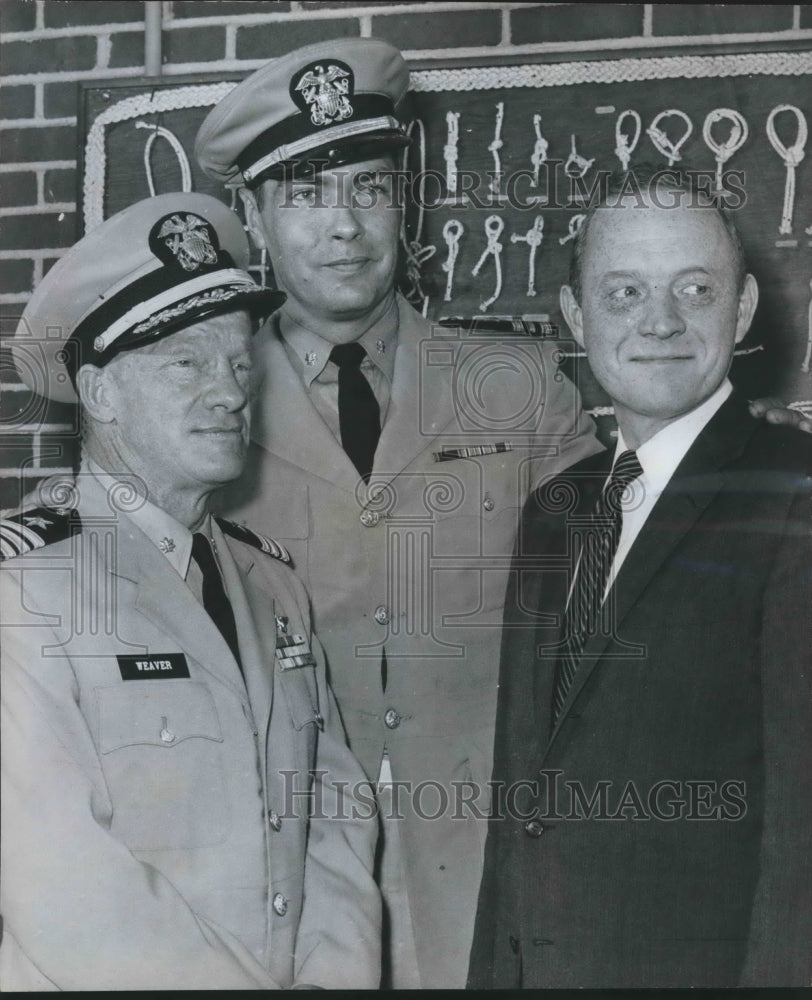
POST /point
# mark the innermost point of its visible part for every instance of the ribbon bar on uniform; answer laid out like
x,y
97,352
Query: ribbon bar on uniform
x,y
472,451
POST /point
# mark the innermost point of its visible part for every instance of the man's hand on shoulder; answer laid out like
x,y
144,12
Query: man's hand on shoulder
x,y
775,411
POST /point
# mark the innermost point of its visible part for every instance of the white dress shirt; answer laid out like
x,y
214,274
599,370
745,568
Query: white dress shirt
x,y
659,458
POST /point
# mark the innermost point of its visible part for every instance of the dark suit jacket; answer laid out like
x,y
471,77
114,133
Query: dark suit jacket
x,y
677,849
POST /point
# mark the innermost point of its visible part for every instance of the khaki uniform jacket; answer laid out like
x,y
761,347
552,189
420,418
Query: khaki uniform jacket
x,y
154,830
419,571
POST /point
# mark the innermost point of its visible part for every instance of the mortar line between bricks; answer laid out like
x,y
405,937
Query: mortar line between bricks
x,y
590,45
123,73
14,168
537,48
332,13
89,30
47,254
506,33
27,123
576,48
45,208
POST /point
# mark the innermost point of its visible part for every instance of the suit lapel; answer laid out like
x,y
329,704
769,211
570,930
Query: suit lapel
x,y
254,613
286,423
695,483
417,414
164,599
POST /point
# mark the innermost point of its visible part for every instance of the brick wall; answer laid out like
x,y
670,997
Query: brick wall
x,y
48,46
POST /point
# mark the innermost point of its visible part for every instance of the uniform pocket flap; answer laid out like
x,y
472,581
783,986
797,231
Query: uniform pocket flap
x,y
160,715
302,701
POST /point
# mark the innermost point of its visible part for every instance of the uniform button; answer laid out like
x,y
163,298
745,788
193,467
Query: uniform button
x,y
274,820
488,504
534,828
167,736
514,944
382,614
369,518
391,719
280,904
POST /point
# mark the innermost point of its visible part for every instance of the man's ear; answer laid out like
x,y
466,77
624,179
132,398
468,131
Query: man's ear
x,y
748,300
573,313
94,388
252,217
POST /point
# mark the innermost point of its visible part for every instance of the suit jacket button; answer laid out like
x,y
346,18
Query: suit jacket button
x,y
280,904
534,828
369,518
274,820
382,614
391,719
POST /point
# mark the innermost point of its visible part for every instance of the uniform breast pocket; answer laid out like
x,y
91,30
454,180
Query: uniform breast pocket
x,y
303,707
475,550
160,744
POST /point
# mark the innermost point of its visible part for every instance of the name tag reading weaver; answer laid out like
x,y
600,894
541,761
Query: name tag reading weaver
x,y
150,668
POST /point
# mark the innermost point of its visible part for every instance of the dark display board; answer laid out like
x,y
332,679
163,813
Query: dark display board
x,y
528,142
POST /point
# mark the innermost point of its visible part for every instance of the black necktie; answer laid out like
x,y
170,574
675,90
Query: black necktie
x,y
215,599
359,416
600,541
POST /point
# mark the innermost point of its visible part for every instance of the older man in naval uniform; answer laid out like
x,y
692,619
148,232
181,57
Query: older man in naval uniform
x,y
179,806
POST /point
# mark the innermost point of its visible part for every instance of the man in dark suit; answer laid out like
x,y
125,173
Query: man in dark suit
x,y
654,728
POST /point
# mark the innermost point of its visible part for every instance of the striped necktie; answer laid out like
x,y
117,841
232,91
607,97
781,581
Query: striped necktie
x,y
599,544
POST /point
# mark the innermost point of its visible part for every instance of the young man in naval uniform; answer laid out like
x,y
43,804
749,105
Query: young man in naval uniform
x,y
407,583
179,804
395,484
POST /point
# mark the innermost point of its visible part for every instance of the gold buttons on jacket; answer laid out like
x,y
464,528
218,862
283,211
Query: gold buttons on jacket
x,y
488,503
382,614
534,828
369,518
275,820
391,719
280,904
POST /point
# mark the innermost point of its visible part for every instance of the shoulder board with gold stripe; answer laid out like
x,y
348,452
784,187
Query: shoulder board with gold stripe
x,y
35,528
262,542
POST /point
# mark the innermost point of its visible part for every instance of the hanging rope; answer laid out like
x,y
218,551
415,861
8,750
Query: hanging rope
x,y
493,230
808,355
533,238
452,120
792,156
416,253
576,165
574,227
539,154
180,153
452,234
624,145
722,151
495,146
669,149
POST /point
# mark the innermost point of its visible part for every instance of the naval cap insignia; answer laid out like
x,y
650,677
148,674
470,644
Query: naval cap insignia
x,y
186,239
326,90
